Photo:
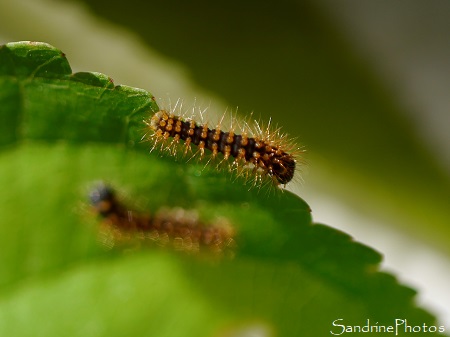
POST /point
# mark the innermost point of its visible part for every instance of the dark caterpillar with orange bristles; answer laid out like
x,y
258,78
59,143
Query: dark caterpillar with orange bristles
x,y
254,152
177,228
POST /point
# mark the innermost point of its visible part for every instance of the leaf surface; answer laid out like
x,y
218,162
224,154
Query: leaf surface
x,y
61,132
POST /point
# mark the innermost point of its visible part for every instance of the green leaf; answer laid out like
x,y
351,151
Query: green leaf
x,y
60,132
43,100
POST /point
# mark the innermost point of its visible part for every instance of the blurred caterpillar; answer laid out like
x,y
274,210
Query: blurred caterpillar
x,y
177,228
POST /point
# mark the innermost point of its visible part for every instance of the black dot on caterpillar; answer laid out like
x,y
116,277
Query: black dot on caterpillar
x,y
169,227
254,151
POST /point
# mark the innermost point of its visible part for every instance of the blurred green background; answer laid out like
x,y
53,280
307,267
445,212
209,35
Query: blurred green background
x,y
371,170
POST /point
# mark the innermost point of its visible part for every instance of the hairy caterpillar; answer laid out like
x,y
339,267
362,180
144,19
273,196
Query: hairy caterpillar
x,y
253,151
177,228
